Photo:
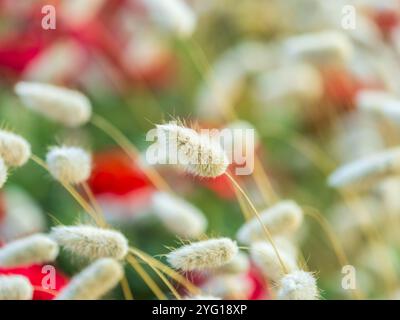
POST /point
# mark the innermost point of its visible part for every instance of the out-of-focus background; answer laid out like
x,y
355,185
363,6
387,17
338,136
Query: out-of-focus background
x,y
214,63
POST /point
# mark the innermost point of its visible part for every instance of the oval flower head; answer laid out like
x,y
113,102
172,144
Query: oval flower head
x,y
366,170
15,287
199,154
69,107
179,216
14,149
266,260
323,47
284,217
174,15
379,103
35,249
94,281
69,164
298,285
3,172
91,242
203,255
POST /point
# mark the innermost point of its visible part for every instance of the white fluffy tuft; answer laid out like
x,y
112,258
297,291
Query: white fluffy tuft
x,y
14,149
15,287
298,285
3,172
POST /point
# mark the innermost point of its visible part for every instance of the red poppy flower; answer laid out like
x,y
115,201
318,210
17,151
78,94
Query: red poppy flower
x,y
35,274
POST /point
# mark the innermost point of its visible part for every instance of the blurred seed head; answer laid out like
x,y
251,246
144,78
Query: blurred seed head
x,y
203,255
298,285
68,107
35,249
3,172
14,149
179,216
69,164
94,281
15,287
228,286
91,242
283,218
239,264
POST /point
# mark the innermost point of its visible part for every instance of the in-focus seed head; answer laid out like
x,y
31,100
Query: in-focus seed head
x,y
266,260
283,218
94,281
91,242
298,285
3,172
35,249
66,106
366,170
203,255
14,149
15,287
179,216
198,154
69,164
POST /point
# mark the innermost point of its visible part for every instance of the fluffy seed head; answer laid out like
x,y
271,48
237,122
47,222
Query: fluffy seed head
x,y
94,281
35,249
228,286
298,285
91,242
283,218
179,216
14,149
66,106
266,260
324,47
3,172
366,170
175,15
15,287
199,154
69,164
203,255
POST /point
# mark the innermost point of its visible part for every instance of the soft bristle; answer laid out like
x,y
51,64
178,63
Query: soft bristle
x,y
298,285
91,242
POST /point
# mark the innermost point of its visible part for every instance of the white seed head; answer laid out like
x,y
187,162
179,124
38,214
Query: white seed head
x,y
69,107
174,15
179,216
283,218
69,164
379,103
298,285
324,47
15,287
94,281
203,255
91,242
228,286
202,297
35,249
239,264
199,154
266,260
3,172
14,149
366,170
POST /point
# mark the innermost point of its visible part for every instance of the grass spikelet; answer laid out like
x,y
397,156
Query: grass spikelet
x,y
35,249
179,216
298,285
91,242
264,257
366,170
198,154
203,255
14,149
69,164
69,107
15,287
283,218
94,281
